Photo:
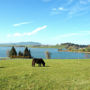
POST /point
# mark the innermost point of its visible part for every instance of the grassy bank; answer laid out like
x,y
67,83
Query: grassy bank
x,y
57,75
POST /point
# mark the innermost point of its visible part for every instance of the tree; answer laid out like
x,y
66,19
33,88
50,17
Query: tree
x,y
27,53
20,53
88,49
12,52
47,55
8,51
70,48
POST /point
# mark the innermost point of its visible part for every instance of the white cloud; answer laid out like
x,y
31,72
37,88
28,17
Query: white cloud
x,y
69,35
37,30
54,9
46,0
83,2
57,10
78,8
19,24
61,8
17,34
9,35
88,0
27,34
69,2
81,7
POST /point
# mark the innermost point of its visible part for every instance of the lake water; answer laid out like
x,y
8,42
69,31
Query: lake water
x,y
40,53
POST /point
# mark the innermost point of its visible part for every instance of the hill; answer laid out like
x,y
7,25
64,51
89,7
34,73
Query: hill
x,y
20,44
67,45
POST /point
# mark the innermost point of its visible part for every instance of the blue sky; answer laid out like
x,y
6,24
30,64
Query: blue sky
x,y
45,21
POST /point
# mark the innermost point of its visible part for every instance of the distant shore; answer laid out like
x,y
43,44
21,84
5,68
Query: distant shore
x,y
73,51
30,46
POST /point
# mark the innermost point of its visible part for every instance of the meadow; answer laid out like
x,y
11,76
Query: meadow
x,y
18,74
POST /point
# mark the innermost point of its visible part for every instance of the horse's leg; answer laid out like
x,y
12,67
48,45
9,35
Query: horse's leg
x,y
39,65
44,65
33,64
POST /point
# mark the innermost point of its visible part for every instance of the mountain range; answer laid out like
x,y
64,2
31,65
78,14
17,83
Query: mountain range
x,y
22,43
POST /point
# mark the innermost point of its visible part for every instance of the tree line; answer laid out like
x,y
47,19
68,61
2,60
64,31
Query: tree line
x,y
13,53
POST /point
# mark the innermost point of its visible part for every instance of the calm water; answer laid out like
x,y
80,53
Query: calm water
x,y
40,53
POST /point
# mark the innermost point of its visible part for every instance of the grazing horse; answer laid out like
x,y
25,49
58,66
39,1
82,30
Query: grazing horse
x,y
39,61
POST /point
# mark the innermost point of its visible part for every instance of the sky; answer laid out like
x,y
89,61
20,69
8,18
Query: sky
x,y
45,21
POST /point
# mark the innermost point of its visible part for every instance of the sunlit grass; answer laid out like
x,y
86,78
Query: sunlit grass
x,y
57,75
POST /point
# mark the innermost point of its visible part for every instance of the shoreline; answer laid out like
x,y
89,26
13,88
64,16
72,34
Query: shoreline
x,y
73,51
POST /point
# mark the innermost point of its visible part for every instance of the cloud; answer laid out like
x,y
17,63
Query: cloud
x,y
9,35
19,24
70,2
61,8
69,35
78,11
88,0
17,35
83,2
29,33
57,10
81,7
72,8
54,9
46,0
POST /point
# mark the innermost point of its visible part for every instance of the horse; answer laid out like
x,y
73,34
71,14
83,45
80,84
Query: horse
x,y
39,61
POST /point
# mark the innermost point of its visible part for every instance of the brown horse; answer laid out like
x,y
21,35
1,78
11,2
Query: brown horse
x,y
39,61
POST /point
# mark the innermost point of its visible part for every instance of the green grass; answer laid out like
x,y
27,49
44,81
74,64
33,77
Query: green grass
x,y
57,75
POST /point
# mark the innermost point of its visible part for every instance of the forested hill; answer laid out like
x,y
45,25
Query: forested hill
x,y
73,45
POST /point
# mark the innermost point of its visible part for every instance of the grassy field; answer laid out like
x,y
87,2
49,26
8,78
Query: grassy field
x,y
57,75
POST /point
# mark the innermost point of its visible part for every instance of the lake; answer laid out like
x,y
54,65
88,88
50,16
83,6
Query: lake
x,y
40,53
